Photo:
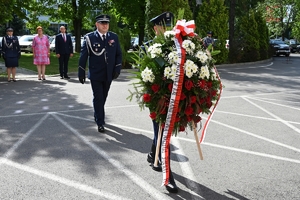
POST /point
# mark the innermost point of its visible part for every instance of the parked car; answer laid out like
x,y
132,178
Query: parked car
x,y
298,48
52,45
293,45
26,43
280,48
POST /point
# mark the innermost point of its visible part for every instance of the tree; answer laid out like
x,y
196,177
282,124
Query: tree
x,y
280,16
263,39
213,16
247,38
156,7
133,14
75,12
6,11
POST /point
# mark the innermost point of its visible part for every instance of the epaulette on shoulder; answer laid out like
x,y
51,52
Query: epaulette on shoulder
x,y
89,34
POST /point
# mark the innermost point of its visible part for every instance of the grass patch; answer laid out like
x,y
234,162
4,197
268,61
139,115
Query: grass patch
x,y
26,61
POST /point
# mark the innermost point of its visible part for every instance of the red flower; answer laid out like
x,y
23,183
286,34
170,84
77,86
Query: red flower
x,y
214,93
147,97
182,97
197,119
181,128
202,83
170,86
209,84
152,115
189,110
163,125
202,100
193,99
155,87
188,84
188,118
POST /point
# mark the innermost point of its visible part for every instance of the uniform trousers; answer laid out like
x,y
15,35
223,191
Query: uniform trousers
x,y
156,130
63,64
100,92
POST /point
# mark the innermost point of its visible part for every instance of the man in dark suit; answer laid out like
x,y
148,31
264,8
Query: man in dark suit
x,y
102,49
64,50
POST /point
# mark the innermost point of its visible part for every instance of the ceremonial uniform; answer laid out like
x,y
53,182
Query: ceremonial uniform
x,y
208,40
11,51
104,57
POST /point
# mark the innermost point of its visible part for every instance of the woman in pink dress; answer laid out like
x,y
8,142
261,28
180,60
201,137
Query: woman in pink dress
x,y
41,52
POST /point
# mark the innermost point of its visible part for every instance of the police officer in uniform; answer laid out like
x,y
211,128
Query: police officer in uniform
x,y
101,49
160,23
11,53
208,40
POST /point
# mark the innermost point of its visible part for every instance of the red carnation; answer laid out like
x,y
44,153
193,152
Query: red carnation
x,y
193,99
188,118
181,128
147,97
189,110
155,88
182,97
170,86
214,93
202,83
188,84
152,115
209,84
177,119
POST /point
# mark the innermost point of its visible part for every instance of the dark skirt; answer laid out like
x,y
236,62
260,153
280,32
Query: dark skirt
x,y
12,62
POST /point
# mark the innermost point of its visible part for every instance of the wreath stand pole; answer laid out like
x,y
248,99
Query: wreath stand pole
x,y
197,140
157,146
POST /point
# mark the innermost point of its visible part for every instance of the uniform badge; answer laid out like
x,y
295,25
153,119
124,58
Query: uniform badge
x,y
96,49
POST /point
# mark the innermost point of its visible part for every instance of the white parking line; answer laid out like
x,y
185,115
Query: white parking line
x,y
275,116
62,180
244,151
156,194
17,144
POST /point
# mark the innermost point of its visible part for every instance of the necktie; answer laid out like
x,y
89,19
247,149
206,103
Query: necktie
x,y
64,36
103,36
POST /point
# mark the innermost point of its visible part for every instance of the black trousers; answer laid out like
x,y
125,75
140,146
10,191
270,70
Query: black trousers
x,y
63,64
100,92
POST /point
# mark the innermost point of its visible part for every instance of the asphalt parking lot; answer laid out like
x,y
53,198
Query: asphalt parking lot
x,y
50,147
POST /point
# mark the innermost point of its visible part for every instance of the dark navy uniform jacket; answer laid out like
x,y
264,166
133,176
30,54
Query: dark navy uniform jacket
x,y
104,58
62,46
10,47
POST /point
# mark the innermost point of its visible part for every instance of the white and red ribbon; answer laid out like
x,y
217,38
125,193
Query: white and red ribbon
x,y
182,28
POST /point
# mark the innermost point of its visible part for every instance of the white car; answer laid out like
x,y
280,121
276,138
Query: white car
x,y
52,45
25,42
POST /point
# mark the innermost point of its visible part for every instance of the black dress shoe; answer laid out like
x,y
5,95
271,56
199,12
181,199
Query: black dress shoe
x,y
172,188
61,77
157,168
66,77
101,129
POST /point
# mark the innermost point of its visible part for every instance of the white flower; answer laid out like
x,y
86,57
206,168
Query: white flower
x,y
155,50
204,72
170,35
189,46
190,68
213,74
173,57
147,75
202,56
170,72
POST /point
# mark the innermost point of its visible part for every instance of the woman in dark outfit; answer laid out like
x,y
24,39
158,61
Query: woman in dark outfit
x,y
11,53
